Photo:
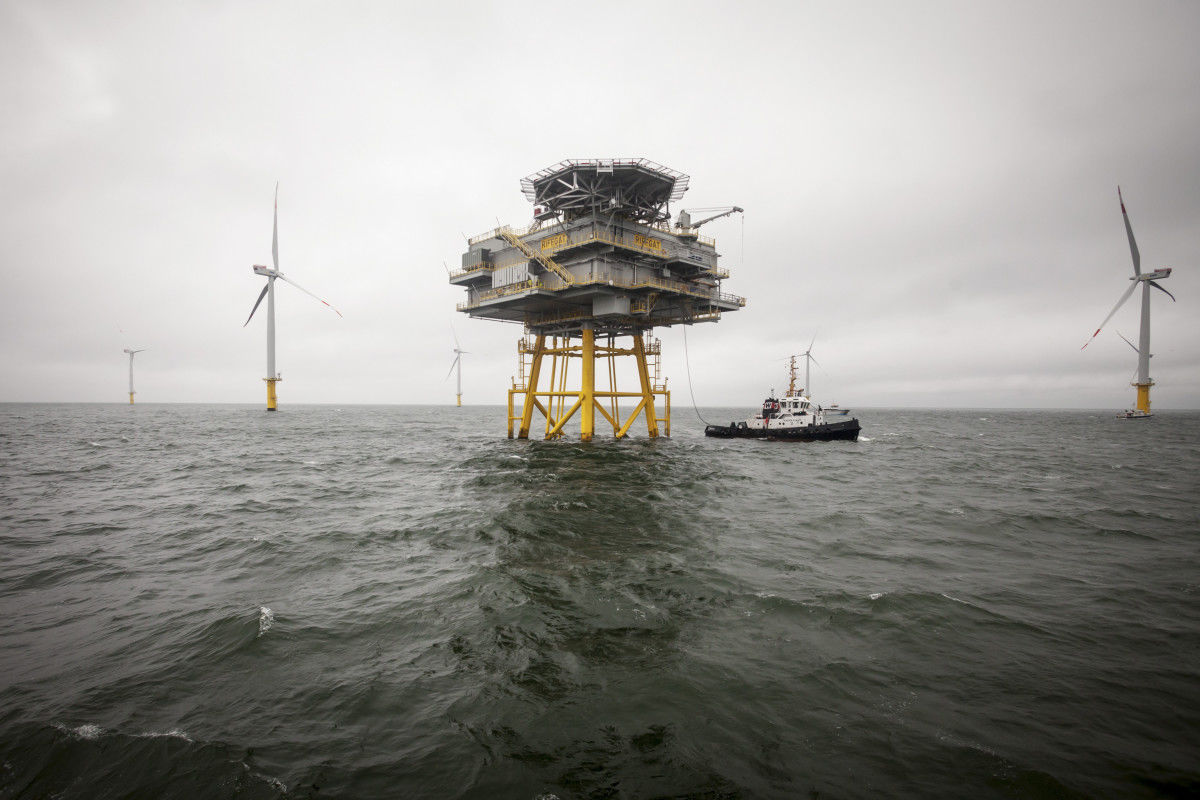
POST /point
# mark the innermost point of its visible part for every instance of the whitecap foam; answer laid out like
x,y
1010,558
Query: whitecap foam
x,y
266,618
174,733
875,595
274,783
95,444
864,439
88,731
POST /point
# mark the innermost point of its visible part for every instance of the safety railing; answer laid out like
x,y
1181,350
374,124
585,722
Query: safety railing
x,y
497,233
604,279
482,266
520,287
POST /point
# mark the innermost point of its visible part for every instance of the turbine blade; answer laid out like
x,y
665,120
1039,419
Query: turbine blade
x,y
448,374
1131,344
275,231
256,304
455,335
1133,248
1133,285
818,363
1161,289
307,292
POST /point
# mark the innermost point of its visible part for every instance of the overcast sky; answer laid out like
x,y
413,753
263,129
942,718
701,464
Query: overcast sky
x,y
930,190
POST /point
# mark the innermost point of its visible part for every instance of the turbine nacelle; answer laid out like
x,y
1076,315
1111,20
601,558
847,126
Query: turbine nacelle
x,y
266,272
1164,272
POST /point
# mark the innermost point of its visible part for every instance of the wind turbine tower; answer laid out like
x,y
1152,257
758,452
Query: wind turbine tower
x,y
131,354
268,291
806,389
599,262
458,354
808,362
1147,280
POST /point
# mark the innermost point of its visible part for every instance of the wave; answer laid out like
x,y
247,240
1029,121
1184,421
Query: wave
x,y
87,760
266,618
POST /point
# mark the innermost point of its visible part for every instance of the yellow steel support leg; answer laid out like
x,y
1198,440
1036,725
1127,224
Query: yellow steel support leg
x,y
639,351
667,412
615,417
624,429
549,413
271,393
587,392
531,385
562,362
131,398
510,414
1143,397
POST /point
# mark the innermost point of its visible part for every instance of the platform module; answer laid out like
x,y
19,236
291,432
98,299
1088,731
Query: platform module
x,y
598,268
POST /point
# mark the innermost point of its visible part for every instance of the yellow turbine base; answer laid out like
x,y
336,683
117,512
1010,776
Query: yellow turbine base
x,y
459,400
131,398
1143,397
271,402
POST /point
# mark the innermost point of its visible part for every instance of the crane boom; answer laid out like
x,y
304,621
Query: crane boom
x,y
685,219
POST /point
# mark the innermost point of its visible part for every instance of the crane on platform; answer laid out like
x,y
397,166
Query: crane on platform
x,y
688,227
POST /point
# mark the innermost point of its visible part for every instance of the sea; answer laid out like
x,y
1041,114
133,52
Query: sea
x,y
211,601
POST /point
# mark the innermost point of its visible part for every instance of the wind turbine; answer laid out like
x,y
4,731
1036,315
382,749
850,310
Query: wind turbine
x,y
269,292
808,356
808,362
1148,279
131,354
458,354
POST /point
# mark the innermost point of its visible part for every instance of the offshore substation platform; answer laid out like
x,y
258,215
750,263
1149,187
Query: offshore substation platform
x,y
600,262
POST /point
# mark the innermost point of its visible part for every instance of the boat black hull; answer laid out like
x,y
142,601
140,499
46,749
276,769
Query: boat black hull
x,y
829,432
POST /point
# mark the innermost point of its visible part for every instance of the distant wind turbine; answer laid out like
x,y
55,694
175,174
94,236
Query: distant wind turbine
x,y
269,292
1148,279
457,363
131,354
808,362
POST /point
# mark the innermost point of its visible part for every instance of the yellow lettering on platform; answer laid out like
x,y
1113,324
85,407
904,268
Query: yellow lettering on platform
x,y
647,242
555,241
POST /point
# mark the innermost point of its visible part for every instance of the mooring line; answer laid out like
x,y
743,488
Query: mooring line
x,y
688,362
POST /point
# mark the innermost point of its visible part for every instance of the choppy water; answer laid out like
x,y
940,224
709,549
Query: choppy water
x,y
363,602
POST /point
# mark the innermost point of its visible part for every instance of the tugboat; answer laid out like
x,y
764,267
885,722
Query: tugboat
x,y
794,417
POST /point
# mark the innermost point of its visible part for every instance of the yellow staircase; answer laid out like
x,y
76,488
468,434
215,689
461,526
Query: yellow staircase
x,y
550,264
